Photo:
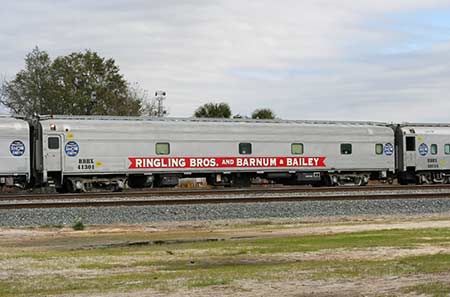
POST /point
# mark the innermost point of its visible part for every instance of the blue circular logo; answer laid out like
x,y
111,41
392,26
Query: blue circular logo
x,y
72,149
17,148
423,149
388,149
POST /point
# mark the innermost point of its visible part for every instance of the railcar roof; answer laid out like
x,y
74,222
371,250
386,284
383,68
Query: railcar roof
x,y
12,124
8,118
206,120
424,125
437,130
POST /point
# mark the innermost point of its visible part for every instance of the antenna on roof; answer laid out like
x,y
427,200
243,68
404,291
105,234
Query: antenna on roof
x,y
160,97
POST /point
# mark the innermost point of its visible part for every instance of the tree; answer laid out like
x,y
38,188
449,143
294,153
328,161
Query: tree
x,y
32,87
2,83
263,114
213,110
76,84
149,105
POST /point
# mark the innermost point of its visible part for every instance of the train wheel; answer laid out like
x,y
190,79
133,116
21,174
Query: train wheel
x,y
68,186
402,181
61,190
118,186
64,188
137,181
241,181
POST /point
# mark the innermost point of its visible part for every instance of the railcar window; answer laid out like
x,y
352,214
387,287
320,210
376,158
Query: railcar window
x,y
434,149
447,149
346,148
162,148
379,149
297,148
245,148
410,144
53,143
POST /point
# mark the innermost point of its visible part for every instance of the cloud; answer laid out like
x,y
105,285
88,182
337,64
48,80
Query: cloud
x,y
368,60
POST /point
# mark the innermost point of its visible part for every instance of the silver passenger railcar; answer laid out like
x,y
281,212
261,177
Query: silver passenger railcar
x,y
423,153
14,152
77,153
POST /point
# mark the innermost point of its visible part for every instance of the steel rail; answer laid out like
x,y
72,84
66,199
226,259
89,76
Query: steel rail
x,y
209,192
197,201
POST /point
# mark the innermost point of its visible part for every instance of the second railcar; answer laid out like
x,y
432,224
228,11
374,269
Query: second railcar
x,y
76,153
15,149
423,153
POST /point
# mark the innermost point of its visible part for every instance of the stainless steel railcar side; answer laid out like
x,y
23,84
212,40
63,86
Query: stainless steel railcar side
x,y
423,153
14,152
78,152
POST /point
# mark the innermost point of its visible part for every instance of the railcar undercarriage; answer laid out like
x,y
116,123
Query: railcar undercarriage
x,y
424,177
89,184
72,184
433,177
12,182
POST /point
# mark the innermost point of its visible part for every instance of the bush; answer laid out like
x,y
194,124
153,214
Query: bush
x,y
78,225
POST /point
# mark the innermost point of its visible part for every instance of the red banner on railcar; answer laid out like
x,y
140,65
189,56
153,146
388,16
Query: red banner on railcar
x,y
224,162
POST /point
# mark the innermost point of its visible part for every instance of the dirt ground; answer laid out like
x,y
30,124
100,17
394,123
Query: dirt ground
x,y
16,246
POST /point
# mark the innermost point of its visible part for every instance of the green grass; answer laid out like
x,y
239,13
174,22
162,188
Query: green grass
x,y
52,285
204,264
310,243
321,269
207,281
435,289
78,225
391,238
171,275
404,266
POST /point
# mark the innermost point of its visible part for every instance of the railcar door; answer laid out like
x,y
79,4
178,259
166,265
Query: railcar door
x,y
410,152
52,147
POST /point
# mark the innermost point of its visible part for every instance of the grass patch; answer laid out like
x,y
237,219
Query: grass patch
x,y
78,225
51,226
404,266
206,282
316,269
204,264
370,239
310,243
53,285
173,275
101,266
435,289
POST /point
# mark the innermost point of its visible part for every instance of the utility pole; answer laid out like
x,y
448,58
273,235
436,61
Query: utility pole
x,y
160,97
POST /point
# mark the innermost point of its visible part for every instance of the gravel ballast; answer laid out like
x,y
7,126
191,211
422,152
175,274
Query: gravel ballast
x,y
211,212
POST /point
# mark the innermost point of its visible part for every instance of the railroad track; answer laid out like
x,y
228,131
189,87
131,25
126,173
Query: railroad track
x,y
208,192
287,195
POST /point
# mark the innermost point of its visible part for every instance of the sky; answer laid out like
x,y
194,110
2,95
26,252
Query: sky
x,y
371,60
